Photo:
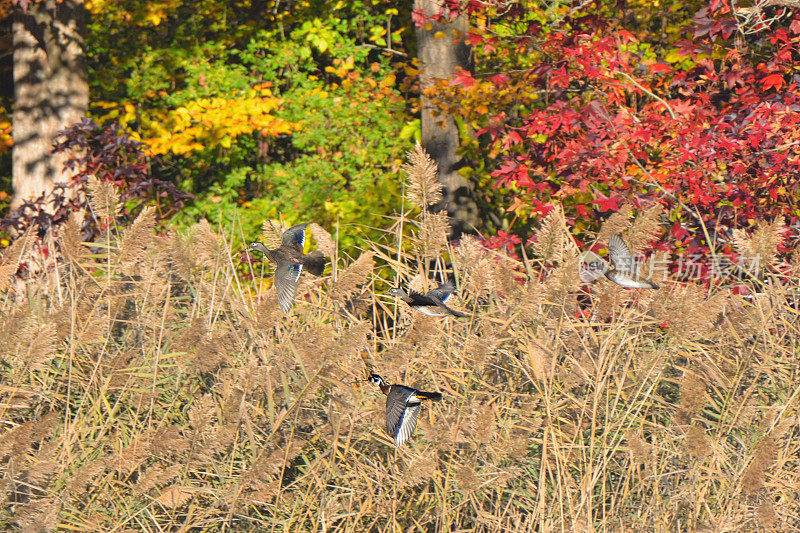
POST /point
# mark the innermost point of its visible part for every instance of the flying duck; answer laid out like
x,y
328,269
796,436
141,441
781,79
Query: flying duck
x,y
402,407
432,303
290,262
624,271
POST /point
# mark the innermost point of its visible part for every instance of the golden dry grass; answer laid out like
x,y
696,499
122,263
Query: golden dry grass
x,y
152,388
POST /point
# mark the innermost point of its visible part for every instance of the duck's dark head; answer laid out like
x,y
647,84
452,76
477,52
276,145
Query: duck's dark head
x,y
258,247
396,291
377,380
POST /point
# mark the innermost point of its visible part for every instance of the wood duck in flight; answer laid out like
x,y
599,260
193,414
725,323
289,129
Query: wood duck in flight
x,y
402,407
432,303
625,270
290,262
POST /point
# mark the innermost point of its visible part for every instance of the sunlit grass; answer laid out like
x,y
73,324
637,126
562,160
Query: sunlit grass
x,y
162,390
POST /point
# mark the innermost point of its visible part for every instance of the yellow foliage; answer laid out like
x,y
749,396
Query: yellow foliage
x,y
199,124
341,68
209,122
388,81
96,6
140,13
6,141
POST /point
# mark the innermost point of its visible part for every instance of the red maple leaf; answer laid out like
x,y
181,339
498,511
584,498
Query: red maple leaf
x,y
500,80
660,67
773,80
463,77
473,39
626,36
608,204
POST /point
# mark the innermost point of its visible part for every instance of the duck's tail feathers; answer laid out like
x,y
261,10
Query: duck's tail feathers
x,y
455,313
314,262
444,306
435,396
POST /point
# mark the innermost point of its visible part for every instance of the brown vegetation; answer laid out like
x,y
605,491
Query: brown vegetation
x,y
152,387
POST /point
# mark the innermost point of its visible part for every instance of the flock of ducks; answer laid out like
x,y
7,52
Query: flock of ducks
x,y
402,402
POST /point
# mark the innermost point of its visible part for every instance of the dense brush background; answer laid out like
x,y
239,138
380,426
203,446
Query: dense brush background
x,y
148,385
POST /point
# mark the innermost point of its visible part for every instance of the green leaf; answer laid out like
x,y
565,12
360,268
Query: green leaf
x,y
411,130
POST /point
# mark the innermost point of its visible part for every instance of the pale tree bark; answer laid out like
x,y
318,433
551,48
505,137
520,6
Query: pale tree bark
x,y
50,91
442,51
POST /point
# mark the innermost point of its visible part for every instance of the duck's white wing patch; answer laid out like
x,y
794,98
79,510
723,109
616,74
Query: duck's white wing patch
x,y
286,276
402,409
407,423
635,284
431,311
621,256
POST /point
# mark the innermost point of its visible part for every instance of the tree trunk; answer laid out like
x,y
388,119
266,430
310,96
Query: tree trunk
x,y
442,51
50,91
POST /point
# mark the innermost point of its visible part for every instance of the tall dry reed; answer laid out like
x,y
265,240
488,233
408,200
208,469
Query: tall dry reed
x,y
146,385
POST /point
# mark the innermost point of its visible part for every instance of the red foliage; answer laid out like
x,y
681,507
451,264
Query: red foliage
x,y
110,154
708,126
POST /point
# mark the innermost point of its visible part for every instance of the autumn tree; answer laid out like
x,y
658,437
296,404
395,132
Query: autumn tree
x,y
275,109
442,52
50,90
692,106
